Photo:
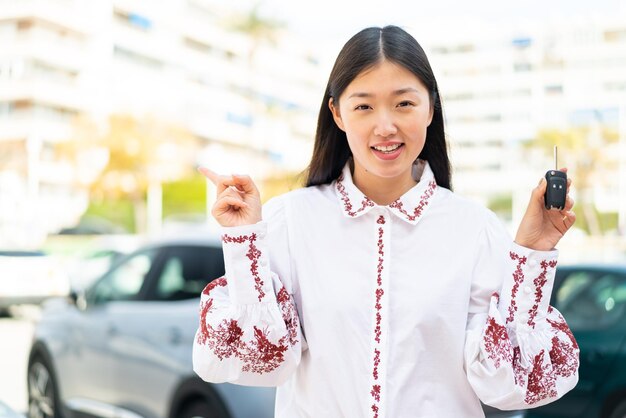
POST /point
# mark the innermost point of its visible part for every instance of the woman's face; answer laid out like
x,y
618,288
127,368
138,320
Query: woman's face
x,y
384,112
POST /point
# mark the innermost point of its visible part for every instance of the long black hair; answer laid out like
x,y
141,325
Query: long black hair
x,y
363,51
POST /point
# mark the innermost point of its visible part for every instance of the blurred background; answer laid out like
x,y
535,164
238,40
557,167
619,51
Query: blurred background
x,y
108,106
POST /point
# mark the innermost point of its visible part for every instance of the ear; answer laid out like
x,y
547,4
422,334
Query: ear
x,y
431,113
336,115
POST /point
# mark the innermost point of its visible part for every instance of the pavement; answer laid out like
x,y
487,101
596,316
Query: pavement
x,y
15,338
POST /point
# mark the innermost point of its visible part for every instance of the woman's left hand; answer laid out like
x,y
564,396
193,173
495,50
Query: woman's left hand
x,y
541,229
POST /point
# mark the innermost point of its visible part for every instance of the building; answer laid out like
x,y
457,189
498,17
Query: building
x,y
178,61
504,84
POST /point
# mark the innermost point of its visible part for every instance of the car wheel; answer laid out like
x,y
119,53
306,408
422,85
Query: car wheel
x,y
43,398
198,409
619,411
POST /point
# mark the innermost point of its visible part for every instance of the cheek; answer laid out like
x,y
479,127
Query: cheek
x,y
357,133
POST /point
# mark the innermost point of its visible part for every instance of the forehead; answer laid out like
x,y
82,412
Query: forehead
x,y
385,76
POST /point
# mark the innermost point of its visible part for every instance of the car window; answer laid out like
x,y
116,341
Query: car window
x,y
589,299
123,282
186,270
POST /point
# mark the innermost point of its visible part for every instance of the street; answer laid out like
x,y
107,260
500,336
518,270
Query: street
x,y
15,338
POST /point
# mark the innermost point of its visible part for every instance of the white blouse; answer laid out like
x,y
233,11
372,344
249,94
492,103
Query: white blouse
x,y
415,309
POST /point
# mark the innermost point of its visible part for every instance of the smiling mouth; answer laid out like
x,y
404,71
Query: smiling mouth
x,y
388,149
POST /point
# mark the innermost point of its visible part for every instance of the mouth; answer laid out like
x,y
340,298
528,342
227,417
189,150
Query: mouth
x,y
387,149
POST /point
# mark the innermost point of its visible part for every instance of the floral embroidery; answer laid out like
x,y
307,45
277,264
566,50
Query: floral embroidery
x,y
253,255
205,308
417,211
563,357
541,381
518,370
376,363
376,392
290,315
497,343
347,205
562,326
518,277
259,355
376,388
539,282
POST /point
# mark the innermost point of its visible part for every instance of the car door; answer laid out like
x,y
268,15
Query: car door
x,y
593,302
157,330
93,341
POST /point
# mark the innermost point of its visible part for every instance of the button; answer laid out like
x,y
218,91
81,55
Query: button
x,y
532,262
527,289
263,261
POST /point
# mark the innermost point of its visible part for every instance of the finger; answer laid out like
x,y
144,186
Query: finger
x,y
569,183
227,203
245,183
568,218
221,182
569,204
564,169
232,192
210,174
539,191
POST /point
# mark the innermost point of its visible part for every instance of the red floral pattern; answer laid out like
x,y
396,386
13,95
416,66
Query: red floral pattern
x,y
518,278
259,355
347,204
417,211
562,326
539,283
564,358
519,371
541,381
497,343
561,361
253,255
376,388
376,363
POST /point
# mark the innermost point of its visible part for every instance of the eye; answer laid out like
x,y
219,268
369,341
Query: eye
x,y
406,103
362,107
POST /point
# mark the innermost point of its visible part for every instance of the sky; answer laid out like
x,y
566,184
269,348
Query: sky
x,y
339,19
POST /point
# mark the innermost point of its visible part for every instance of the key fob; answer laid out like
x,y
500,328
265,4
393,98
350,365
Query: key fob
x,y
556,189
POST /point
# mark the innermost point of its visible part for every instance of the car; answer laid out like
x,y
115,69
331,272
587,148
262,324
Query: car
x,y
123,346
30,277
592,299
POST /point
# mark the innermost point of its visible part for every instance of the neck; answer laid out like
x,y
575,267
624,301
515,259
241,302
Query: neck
x,y
383,191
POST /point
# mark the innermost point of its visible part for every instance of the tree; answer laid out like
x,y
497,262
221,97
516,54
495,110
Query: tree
x,y
139,155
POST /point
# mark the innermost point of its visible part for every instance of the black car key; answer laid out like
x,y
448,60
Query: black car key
x,y
556,189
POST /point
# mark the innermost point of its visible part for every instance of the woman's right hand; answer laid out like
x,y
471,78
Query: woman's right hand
x,y
238,199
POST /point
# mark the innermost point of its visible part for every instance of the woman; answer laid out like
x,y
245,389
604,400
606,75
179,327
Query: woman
x,y
376,291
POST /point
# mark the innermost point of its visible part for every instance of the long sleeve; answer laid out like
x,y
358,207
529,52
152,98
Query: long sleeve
x,y
249,331
519,351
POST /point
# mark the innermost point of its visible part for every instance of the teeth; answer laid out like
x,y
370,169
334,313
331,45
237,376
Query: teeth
x,y
390,148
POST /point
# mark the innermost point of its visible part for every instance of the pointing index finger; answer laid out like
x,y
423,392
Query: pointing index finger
x,y
211,175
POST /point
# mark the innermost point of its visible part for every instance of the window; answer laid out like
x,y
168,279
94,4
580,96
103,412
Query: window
x,y
186,271
125,281
589,299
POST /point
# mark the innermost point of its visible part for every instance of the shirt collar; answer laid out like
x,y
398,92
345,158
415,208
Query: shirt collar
x,y
409,207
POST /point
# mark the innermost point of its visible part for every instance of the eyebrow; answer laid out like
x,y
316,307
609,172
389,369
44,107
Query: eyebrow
x,y
396,93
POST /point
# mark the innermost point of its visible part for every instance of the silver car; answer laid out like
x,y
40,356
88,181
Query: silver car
x,y
122,347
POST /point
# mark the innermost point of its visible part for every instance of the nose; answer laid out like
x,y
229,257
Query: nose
x,y
385,124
